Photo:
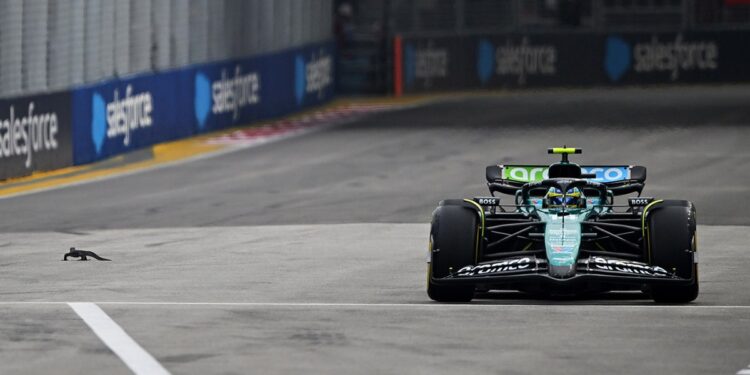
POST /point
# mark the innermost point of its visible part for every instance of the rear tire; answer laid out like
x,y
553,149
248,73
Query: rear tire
x,y
672,228
453,237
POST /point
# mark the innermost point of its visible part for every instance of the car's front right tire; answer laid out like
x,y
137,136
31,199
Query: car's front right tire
x,y
672,236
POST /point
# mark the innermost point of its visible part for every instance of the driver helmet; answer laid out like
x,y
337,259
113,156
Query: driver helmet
x,y
556,199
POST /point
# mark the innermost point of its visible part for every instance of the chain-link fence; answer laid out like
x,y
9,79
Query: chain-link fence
x,y
48,45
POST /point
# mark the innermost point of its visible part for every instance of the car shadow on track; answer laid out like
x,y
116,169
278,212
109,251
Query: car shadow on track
x,y
634,298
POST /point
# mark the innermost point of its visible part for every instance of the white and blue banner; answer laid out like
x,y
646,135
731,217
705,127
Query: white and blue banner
x,y
121,115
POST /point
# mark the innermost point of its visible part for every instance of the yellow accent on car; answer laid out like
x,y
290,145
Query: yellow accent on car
x,y
695,248
481,212
575,194
563,150
476,246
478,238
644,230
429,273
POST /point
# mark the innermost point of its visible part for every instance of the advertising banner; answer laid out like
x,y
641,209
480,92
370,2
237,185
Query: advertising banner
x,y
689,57
35,134
125,114
435,64
238,92
120,115
535,60
510,60
499,61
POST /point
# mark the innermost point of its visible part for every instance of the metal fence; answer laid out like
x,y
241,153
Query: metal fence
x,y
482,16
365,62
48,45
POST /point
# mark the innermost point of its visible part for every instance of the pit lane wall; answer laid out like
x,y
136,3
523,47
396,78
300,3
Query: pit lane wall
x,y
515,60
101,120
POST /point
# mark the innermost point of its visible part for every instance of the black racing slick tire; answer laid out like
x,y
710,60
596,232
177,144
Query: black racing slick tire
x,y
453,237
672,237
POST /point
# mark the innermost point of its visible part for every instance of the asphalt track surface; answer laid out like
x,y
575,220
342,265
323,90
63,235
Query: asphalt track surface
x,y
308,254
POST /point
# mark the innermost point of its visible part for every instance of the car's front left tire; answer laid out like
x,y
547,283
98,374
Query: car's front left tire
x,y
453,237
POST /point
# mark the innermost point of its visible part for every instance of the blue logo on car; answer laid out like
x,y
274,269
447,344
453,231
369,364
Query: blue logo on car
x,y
616,58
98,121
202,99
607,174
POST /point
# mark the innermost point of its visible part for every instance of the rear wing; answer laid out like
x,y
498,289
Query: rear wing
x,y
620,179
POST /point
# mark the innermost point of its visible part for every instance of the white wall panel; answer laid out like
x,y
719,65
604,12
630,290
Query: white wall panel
x,y
56,44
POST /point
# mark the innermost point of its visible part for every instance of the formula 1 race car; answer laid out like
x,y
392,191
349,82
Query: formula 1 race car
x,y
563,235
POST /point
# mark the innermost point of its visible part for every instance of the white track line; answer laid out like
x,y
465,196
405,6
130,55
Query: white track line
x,y
430,305
132,354
744,371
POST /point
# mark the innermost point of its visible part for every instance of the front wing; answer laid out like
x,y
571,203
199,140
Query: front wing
x,y
532,270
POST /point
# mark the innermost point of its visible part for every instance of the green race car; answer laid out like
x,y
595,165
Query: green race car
x,y
563,235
